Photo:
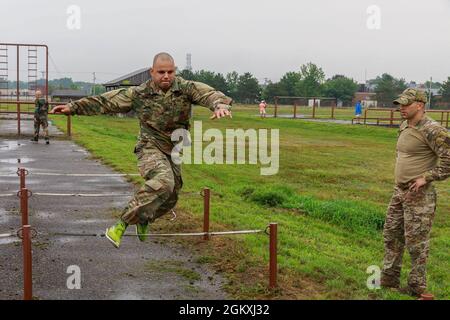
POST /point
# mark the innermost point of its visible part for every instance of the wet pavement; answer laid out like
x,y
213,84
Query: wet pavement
x,y
151,270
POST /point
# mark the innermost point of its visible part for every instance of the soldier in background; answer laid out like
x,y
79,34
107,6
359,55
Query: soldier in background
x,y
423,156
162,104
40,117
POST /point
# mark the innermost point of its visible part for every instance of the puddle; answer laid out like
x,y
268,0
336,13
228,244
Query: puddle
x,y
16,160
9,240
10,145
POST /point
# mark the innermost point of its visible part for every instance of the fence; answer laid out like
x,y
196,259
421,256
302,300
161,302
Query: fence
x,y
27,233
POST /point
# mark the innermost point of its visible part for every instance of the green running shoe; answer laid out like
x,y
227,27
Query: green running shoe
x,y
115,233
141,231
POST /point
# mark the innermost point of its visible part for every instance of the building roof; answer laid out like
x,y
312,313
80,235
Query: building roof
x,y
68,93
130,77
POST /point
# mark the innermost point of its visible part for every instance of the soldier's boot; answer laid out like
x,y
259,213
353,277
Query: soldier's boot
x,y
414,292
36,139
141,231
115,233
47,141
389,282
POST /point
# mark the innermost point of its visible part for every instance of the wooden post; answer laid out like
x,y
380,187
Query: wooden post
x,y
273,256
446,122
69,125
206,206
314,108
295,109
276,107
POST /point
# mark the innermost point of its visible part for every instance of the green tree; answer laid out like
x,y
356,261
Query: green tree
x,y
445,90
232,79
274,89
312,78
388,88
289,82
248,89
340,87
215,80
186,74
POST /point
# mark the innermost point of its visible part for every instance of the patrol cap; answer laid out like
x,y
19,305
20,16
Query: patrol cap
x,y
410,95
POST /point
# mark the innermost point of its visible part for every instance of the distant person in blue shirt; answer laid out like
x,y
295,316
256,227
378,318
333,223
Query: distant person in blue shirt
x,y
358,110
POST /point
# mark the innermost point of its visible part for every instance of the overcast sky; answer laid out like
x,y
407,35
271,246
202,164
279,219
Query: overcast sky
x,y
265,37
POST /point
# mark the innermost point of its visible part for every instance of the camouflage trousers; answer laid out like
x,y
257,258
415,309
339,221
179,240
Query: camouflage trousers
x,y
159,194
40,120
408,223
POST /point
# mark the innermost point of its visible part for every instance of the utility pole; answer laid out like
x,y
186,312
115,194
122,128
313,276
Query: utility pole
x,y
93,88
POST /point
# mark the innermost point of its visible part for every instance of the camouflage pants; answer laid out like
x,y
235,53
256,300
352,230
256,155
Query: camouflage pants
x,y
159,194
40,120
408,222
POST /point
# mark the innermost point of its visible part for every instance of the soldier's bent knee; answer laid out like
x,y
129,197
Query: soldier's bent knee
x,y
165,186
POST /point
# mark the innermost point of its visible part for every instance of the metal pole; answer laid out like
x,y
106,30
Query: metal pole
x,y
22,178
365,115
442,118
392,118
46,73
273,256
24,205
206,206
27,263
332,111
17,93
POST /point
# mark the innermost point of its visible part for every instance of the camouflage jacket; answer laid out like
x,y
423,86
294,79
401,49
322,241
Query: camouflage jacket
x,y
159,113
40,107
438,139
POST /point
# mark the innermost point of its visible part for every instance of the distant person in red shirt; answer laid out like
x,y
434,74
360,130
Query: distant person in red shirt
x,y
262,109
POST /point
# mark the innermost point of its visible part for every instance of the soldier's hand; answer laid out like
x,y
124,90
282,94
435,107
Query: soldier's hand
x,y
221,111
61,109
420,182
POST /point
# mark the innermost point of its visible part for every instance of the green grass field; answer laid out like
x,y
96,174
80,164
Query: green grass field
x,y
329,199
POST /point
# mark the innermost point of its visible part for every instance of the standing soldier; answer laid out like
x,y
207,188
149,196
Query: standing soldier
x,y
423,156
162,104
40,117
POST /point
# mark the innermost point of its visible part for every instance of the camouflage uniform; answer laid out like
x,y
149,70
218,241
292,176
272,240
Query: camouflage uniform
x,y
410,214
40,118
159,114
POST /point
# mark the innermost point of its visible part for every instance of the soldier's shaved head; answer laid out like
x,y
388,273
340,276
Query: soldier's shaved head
x,y
163,56
38,94
163,71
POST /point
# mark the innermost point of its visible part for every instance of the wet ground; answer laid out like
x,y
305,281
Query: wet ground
x,y
151,270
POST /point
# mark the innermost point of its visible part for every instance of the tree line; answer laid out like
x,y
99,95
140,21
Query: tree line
x,y
308,81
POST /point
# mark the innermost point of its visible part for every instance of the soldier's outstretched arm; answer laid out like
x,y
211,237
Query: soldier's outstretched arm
x,y
206,96
116,101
